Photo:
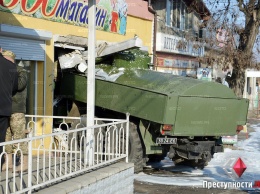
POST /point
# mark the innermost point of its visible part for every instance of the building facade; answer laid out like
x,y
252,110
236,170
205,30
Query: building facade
x,y
179,31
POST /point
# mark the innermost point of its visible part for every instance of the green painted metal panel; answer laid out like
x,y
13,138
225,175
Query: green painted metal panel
x,y
202,116
139,103
149,132
114,96
171,110
172,85
192,106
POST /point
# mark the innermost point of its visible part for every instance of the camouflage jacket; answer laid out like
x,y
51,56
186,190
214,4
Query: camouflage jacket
x,y
19,99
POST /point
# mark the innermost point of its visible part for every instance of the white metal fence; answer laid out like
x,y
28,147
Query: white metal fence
x,y
63,153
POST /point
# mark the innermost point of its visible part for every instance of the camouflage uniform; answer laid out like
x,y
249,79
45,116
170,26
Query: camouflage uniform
x,y
17,119
16,131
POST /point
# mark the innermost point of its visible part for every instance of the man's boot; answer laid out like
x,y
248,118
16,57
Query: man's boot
x,y
8,162
23,166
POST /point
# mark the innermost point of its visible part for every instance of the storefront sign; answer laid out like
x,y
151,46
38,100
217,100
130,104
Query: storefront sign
x,y
175,44
177,67
111,15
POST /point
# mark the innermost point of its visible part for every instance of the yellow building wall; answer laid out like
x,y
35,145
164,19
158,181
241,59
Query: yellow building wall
x,y
135,26
138,26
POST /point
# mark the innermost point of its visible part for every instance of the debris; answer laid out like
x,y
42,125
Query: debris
x,y
71,60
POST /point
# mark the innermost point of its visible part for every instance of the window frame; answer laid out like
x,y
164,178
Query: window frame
x,y
181,22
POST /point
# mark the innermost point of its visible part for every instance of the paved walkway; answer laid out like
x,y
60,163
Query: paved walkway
x,y
10,182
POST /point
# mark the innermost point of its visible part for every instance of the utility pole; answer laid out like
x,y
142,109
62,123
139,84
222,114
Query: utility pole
x,y
91,79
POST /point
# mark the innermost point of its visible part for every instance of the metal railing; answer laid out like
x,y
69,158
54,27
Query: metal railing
x,y
63,153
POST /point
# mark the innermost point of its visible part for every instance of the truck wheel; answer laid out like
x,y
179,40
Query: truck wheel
x,y
135,149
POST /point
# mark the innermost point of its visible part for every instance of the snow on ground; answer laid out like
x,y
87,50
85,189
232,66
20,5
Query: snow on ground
x,y
248,150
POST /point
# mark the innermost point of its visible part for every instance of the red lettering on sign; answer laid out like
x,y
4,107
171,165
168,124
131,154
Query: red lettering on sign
x,y
44,9
39,4
33,8
10,5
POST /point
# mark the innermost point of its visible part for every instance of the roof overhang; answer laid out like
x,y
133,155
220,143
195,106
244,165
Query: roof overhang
x,y
17,31
70,41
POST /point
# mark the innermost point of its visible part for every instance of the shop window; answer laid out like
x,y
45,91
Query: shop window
x,y
35,86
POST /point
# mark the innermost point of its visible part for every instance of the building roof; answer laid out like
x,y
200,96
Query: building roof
x,y
199,7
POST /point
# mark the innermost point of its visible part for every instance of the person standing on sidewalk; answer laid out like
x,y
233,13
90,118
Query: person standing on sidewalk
x,y
17,120
8,87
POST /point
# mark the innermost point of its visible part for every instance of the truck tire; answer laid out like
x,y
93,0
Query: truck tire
x,y
135,149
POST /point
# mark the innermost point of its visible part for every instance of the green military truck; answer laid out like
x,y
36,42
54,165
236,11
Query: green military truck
x,y
178,116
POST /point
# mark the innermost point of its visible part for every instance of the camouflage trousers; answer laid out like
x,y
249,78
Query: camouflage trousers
x,y
16,131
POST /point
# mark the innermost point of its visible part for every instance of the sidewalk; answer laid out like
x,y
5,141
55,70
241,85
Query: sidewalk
x,y
13,182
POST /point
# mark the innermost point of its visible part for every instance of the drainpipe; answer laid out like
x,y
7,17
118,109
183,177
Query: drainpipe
x,y
151,10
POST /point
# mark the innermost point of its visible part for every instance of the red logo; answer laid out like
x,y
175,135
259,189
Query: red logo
x,y
239,167
257,184
234,167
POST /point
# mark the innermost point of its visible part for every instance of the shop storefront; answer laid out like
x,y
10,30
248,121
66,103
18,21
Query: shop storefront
x,y
29,48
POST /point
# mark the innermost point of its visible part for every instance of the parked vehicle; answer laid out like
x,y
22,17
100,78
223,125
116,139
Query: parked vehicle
x,y
179,116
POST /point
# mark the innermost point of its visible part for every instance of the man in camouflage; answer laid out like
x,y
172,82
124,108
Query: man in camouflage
x,y
17,119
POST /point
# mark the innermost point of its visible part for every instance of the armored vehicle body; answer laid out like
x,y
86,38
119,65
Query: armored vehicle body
x,y
183,118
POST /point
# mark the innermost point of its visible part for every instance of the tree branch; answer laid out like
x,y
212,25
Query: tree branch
x,y
241,6
257,5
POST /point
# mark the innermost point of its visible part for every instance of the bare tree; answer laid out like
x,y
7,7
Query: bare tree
x,y
237,18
